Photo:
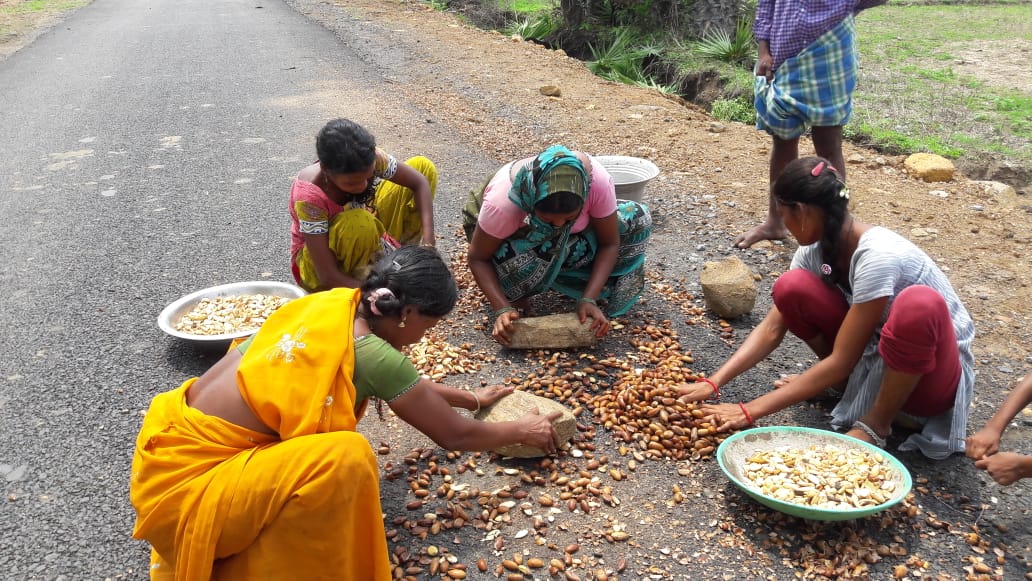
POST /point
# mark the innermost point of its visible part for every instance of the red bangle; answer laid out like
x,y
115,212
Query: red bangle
x,y
746,412
716,390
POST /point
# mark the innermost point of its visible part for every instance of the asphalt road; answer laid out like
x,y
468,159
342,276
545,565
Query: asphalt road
x,y
148,149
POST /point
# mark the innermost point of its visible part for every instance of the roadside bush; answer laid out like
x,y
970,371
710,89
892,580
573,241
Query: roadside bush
x,y
739,49
740,109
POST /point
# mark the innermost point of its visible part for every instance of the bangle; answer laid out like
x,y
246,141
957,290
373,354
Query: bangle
x,y
502,311
476,399
588,300
748,418
716,389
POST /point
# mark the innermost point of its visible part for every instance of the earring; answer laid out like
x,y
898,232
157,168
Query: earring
x,y
402,324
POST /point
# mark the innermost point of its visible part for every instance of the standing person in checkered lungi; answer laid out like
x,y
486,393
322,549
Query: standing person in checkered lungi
x,y
805,75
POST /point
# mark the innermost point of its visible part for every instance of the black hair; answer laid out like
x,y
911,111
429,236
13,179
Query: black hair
x,y
559,203
415,275
344,146
813,181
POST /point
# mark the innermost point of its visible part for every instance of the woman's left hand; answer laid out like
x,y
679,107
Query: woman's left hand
x,y
725,416
492,393
599,323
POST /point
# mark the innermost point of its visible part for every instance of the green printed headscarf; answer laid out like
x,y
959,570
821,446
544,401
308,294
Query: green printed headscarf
x,y
555,169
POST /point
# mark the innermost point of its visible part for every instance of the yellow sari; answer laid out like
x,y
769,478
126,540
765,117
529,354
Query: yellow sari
x,y
218,501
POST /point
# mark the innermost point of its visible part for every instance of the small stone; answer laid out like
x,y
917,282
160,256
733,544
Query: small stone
x,y
551,91
929,167
516,405
558,331
728,287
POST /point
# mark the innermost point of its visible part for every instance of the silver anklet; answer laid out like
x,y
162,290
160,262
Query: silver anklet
x,y
878,440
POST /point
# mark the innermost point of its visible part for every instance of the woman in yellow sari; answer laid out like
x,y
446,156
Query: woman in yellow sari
x,y
255,471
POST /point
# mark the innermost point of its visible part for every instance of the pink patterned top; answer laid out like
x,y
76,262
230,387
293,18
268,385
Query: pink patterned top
x,y
311,209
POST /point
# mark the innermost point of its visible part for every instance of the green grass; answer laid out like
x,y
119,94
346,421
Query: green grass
x,y
917,90
914,95
526,7
40,5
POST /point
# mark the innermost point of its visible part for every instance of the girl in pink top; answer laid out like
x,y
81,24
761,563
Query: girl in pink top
x,y
553,222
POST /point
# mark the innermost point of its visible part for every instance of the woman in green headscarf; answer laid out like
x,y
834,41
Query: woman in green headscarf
x,y
553,222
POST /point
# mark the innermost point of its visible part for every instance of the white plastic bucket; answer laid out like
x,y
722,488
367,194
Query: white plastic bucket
x,y
630,174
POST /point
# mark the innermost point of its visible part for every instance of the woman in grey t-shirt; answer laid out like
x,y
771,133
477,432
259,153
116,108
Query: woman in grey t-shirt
x,y
882,318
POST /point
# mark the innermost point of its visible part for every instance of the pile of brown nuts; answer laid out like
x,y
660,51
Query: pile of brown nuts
x,y
643,408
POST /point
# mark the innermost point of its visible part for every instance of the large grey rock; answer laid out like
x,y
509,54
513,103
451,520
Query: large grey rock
x,y
516,405
929,167
559,331
728,287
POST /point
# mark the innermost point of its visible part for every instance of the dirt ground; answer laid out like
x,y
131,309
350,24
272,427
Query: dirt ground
x,y
681,518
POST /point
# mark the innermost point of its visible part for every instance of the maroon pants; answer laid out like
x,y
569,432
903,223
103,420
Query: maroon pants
x,y
917,337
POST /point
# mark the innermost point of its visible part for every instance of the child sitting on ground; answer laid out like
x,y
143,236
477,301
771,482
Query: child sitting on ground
x,y
353,204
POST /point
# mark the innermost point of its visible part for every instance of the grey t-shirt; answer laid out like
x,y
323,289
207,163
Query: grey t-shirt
x,y
884,264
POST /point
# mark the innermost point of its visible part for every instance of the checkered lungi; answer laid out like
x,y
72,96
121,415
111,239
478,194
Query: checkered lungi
x,y
813,88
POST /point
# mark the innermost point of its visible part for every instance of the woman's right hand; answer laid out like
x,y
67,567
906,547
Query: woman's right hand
x,y
503,326
698,391
538,430
983,443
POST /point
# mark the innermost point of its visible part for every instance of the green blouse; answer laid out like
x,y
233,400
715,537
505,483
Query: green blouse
x,y
380,369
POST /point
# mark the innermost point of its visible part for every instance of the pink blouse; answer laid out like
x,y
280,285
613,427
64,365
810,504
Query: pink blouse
x,y
500,218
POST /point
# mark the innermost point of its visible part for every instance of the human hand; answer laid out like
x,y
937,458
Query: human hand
x,y
428,240
697,391
725,416
983,443
492,393
538,430
503,326
1006,468
599,324
764,61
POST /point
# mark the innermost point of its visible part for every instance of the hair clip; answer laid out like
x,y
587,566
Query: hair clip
x,y
376,295
816,171
396,265
844,192
826,269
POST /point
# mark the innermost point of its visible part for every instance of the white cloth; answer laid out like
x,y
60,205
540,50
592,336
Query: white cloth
x,y
884,264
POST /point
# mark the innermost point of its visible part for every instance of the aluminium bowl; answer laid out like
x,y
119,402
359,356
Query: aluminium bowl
x,y
175,311
735,450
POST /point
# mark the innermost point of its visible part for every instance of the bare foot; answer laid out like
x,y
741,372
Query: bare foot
x,y
833,393
765,231
861,434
